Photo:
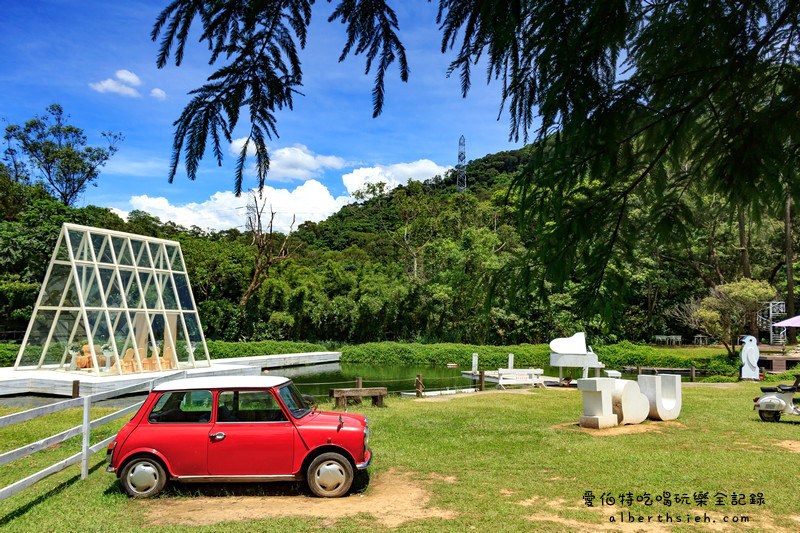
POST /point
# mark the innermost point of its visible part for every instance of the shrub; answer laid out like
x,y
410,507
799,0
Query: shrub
x,y
8,353
528,355
490,357
227,350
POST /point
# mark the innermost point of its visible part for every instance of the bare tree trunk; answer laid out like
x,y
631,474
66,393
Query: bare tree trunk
x,y
263,240
744,245
791,333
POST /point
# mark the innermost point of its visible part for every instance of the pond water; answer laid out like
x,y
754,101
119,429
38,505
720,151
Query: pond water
x,y
395,378
319,379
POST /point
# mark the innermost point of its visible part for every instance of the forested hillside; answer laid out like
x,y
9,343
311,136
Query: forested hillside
x,y
425,263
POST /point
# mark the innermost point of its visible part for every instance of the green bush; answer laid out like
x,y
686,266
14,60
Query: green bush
x,y
491,357
529,355
8,354
227,350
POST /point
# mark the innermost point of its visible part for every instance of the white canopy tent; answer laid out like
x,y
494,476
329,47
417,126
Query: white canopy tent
x,y
114,303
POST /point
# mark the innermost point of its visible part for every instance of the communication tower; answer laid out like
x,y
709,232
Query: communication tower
x,y
461,167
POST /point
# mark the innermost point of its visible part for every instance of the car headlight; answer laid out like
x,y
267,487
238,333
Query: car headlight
x,y
366,434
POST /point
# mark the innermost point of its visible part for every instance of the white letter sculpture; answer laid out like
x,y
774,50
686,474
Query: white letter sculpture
x,y
597,403
610,402
664,393
750,356
629,404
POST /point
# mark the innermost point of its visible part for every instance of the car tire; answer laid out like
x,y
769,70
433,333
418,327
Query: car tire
x,y
143,477
770,416
330,475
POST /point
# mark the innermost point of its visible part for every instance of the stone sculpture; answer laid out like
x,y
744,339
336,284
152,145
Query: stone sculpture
x,y
609,402
664,394
597,403
750,355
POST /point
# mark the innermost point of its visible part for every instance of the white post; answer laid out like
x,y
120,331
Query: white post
x,y
474,363
511,360
87,415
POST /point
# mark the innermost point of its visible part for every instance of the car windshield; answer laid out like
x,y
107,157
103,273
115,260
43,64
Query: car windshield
x,y
294,400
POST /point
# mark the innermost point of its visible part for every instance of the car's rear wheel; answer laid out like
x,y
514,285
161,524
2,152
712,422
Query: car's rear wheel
x,y
330,475
770,416
143,477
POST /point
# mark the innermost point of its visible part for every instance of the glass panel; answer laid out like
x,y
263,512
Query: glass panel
x,y
102,248
131,287
184,296
90,285
181,407
167,292
174,258
71,299
76,240
38,335
156,253
183,346
122,251
59,275
195,338
101,337
142,257
69,336
63,252
113,293
248,406
193,327
150,290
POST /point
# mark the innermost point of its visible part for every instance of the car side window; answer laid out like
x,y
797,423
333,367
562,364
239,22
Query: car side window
x,y
192,406
248,406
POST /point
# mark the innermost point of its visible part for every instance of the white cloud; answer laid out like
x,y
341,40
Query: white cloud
x,y
128,77
295,162
113,86
158,94
223,210
122,165
392,175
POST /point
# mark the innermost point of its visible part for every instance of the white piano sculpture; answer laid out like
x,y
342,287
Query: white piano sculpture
x,y
572,352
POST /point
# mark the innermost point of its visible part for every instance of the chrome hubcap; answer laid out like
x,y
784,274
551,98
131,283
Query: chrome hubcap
x,y
330,475
143,477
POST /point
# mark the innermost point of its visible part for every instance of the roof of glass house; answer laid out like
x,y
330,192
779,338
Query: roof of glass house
x,y
114,303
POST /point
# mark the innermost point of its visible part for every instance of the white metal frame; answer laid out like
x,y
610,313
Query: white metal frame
x,y
150,266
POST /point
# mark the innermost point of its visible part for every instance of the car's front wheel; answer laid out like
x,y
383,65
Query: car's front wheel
x,y
330,475
143,477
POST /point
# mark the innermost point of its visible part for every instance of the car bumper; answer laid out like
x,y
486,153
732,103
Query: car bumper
x,y
367,460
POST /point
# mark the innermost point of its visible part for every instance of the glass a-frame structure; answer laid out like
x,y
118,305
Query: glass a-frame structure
x,y
114,303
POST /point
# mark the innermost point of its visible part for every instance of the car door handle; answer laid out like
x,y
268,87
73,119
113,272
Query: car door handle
x,y
217,436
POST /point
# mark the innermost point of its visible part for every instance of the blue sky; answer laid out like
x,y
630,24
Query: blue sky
x,y
96,59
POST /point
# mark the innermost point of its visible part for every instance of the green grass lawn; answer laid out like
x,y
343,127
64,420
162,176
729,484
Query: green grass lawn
x,y
494,461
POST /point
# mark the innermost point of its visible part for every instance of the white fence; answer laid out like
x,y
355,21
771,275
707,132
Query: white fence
x,y
84,429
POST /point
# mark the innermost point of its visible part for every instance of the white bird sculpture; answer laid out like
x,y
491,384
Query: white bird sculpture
x,y
750,356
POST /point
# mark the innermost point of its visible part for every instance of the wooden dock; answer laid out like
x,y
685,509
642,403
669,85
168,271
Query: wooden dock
x,y
60,382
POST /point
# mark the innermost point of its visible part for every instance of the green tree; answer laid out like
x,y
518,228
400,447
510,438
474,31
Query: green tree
x,y
58,153
724,313
623,97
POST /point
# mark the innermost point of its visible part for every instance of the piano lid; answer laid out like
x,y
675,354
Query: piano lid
x,y
570,345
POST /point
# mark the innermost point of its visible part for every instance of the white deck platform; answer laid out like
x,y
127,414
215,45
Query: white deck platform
x,y
59,382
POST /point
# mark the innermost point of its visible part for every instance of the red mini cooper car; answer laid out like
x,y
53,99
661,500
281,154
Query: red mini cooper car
x,y
237,428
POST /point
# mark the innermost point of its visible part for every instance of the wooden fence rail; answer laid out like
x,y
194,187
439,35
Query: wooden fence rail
x,y
84,429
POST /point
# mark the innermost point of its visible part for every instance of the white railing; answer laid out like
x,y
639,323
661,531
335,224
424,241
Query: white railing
x,y
84,429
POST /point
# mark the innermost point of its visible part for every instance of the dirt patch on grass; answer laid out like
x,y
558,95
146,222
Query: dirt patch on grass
x,y
791,445
393,499
441,477
622,430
